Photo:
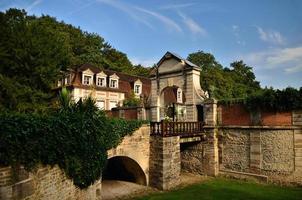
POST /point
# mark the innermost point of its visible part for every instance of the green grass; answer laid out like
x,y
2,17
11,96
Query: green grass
x,y
229,190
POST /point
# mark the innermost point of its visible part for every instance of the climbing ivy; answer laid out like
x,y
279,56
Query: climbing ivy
x,y
76,137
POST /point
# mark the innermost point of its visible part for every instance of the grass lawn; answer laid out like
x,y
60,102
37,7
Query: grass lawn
x,y
226,189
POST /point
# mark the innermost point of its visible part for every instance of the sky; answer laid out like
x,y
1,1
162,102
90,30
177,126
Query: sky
x,y
265,34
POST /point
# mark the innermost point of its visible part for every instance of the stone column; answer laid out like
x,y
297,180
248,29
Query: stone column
x,y
255,152
164,169
298,149
210,112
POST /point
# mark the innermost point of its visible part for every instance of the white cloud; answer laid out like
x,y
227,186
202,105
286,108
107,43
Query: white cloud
x,y
128,10
144,62
176,6
288,60
295,69
165,20
236,32
271,36
33,5
192,25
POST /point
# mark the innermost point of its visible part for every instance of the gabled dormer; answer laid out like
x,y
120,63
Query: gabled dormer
x,y
101,79
87,77
113,81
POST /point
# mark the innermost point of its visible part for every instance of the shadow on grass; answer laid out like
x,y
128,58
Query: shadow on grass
x,y
229,190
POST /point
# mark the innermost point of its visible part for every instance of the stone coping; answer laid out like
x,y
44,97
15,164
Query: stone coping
x,y
261,127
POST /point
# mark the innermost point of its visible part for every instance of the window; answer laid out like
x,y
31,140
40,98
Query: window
x,y
100,105
137,89
112,104
87,80
101,82
179,95
113,83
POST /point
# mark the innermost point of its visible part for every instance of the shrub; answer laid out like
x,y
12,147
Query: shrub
x,y
76,138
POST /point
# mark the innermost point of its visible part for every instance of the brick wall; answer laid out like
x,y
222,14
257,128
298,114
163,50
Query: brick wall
x,y
237,115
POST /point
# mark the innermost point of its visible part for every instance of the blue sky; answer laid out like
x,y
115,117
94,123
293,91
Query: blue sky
x,y
266,34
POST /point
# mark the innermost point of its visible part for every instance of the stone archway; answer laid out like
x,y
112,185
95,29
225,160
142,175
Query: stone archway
x,y
172,70
172,103
125,169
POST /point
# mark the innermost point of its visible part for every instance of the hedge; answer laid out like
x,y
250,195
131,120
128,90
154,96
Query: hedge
x,y
76,138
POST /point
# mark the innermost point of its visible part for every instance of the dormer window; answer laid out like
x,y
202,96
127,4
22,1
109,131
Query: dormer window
x,y
101,79
87,77
101,82
179,95
87,80
113,81
137,87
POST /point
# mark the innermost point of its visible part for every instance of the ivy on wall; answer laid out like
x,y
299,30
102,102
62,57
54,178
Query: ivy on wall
x,y
76,137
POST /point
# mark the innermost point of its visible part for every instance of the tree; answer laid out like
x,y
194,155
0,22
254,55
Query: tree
x,y
224,83
33,51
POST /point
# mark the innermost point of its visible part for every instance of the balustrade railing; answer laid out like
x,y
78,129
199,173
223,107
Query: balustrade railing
x,y
183,129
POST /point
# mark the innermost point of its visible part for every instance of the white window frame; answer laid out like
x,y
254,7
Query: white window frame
x,y
113,78
102,83
89,73
90,80
179,95
103,76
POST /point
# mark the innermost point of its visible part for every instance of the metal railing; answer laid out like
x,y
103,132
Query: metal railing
x,y
183,129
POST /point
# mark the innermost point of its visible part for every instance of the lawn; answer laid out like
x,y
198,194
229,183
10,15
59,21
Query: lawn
x,y
229,189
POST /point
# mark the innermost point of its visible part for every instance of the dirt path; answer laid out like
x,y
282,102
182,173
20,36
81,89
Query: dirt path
x,y
113,189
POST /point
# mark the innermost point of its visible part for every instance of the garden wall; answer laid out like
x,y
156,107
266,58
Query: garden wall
x,y
44,183
237,114
274,152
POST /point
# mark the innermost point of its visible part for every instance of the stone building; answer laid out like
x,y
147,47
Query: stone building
x,y
108,88
175,90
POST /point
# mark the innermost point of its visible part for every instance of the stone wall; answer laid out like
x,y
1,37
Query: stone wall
x,y
192,155
43,183
275,152
164,162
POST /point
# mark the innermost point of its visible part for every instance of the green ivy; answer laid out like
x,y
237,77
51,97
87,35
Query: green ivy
x,y
76,138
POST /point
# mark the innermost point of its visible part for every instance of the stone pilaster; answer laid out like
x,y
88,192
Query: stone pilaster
x,y
255,152
211,161
210,112
297,118
298,149
164,169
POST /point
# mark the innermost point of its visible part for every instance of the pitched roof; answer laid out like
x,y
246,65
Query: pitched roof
x,y
178,57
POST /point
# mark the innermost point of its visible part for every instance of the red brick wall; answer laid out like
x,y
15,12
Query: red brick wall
x,y
130,114
237,115
276,119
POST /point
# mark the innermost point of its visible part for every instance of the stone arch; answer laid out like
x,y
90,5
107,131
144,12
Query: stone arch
x,y
126,169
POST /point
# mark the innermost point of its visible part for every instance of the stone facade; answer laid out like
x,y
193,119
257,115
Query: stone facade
x,y
177,72
164,162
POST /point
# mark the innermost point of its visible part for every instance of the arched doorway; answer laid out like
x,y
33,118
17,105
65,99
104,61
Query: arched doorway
x,y
172,104
125,169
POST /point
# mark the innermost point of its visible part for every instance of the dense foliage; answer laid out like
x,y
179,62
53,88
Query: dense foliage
x,y
238,81
275,100
132,100
33,51
76,138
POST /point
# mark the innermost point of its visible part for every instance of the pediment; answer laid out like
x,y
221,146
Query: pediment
x,y
114,76
88,71
101,74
